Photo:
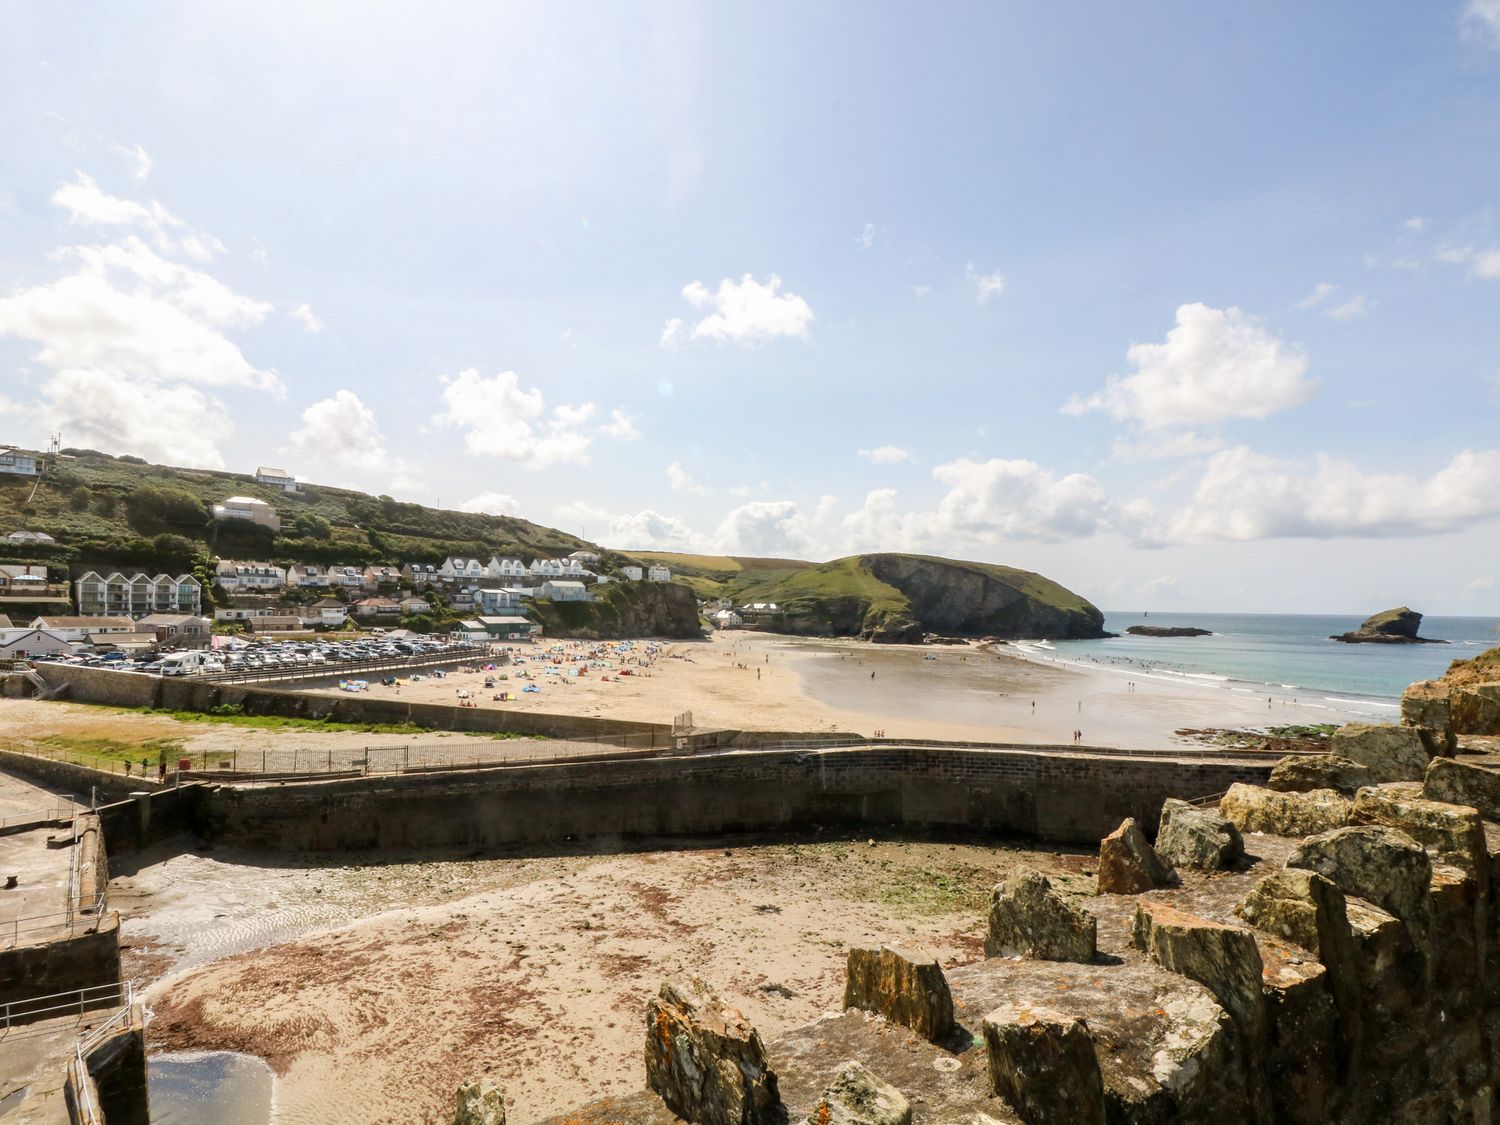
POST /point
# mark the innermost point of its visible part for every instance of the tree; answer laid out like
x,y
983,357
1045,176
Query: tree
x,y
174,553
80,498
154,508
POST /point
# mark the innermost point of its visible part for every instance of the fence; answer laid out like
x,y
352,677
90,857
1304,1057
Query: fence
x,y
81,1083
344,669
11,933
1188,753
62,809
16,1014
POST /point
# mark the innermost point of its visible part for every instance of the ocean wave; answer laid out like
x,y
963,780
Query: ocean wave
x,y
1363,703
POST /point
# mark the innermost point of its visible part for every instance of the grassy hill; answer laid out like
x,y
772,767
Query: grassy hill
x,y
716,576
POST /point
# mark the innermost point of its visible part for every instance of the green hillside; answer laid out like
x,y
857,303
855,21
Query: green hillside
x,y
718,576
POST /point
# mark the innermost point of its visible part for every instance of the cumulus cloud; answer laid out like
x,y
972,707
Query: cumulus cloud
x,y
88,204
491,503
621,426
342,429
765,528
1483,262
1482,18
1245,495
885,455
649,530
987,286
1215,364
1320,293
866,237
309,320
500,419
168,423
1168,446
746,312
681,480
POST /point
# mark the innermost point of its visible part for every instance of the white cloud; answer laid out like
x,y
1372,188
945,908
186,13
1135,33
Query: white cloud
x,y
768,528
740,312
682,481
885,455
1486,264
1244,495
1215,364
986,285
88,204
138,158
920,291
866,238
1483,17
1320,293
162,422
745,490
491,503
502,420
309,320
621,426
1483,263
1166,446
1355,306
1160,584
1415,225
342,429
650,530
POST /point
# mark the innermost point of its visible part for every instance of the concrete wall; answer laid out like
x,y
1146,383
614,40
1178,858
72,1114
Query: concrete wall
x,y
113,1078
1048,796
61,966
75,779
137,822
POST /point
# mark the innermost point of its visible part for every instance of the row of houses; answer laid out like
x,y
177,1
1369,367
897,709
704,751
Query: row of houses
x,y
52,635
137,595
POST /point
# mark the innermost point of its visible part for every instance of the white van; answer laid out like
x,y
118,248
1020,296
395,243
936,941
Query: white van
x,y
181,664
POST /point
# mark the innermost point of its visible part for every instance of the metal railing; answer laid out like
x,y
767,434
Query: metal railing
x,y
855,742
10,932
63,809
89,1111
341,669
21,1013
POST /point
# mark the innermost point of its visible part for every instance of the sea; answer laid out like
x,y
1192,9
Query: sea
x,y
1280,655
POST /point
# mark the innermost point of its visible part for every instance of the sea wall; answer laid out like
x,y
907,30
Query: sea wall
x,y
84,961
1049,796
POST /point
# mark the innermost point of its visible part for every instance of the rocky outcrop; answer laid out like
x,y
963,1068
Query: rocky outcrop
x,y
1188,836
1044,1064
705,1061
857,1097
1302,773
480,1103
1128,864
1462,784
1452,833
1253,809
1391,627
624,609
905,988
1029,919
1383,865
1465,701
1476,709
1388,751
1167,631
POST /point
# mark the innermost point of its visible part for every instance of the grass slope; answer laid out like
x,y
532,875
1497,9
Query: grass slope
x,y
719,576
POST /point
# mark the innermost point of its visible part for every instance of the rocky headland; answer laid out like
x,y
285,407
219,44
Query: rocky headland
x,y
1168,631
1392,627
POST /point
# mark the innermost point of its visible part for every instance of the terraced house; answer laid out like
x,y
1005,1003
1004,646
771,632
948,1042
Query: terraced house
x,y
115,595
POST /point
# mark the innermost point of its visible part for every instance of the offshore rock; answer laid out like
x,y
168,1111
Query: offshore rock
x,y
1392,627
1302,773
1044,1064
904,988
480,1103
705,1061
1029,919
1383,865
1192,837
1128,864
1462,784
1390,752
1454,832
857,1097
1253,809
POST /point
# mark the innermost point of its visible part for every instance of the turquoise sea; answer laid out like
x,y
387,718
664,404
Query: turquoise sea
x,y
1281,655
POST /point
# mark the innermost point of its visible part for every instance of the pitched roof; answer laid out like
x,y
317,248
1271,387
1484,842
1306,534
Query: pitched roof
x,y
50,622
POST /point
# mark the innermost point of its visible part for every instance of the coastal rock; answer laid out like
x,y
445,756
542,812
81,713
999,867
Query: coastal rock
x,y
480,1103
1425,704
1044,1064
1388,751
1223,959
1253,809
1167,631
1188,836
705,1061
1031,920
1393,627
905,988
1459,783
1303,1066
1301,773
1454,832
1128,864
1476,709
857,1097
1383,865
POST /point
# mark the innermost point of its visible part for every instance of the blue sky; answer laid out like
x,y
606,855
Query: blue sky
x,y
1186,306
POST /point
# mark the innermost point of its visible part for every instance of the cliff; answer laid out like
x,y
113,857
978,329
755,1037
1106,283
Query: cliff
x,y
1390,627
623,609
1465,701
901,598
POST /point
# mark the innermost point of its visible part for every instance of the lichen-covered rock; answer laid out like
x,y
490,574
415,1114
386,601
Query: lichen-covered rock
x,y
905,988
1128,864
1425,704
1253,809
1222,958
1384,865
857,1097
1454,832
705,1061
1459,783
480,1103
1029,919
1302,773
1390,752
1188,836
1304,1064
1476,709
1044,1064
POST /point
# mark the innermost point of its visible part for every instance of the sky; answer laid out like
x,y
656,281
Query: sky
x,y
1186,306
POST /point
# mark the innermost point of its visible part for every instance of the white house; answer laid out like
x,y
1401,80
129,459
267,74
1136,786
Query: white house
x,y
18,644
659,574
506,568
249,577
81,628
15,461
562,590
455,569
415,604
632,573
493,601
278,478
248,508
378,576
308,576
116,595
420,575
545,568
331,613
349,577
585,558
29,537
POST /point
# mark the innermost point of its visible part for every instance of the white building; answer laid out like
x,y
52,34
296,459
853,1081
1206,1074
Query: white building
x,y
18,644
116,595
81,628
277,478
545,568
29,537
632,573
349,577
506,568
455,569
659,574
248,508
330,613
493,601
561,590
249,577
18,462
585,558
308,576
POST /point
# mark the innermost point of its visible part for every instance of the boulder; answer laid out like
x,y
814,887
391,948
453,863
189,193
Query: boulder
x,y
905,988
857,1097
1383,865
480,1103
1029,919
1044,1064
1476,709
1425,704
1128,864
1459,783
1392,626
1390,752
1302,773
1200,838
1303,1062
705,1061
1454,832
1253,809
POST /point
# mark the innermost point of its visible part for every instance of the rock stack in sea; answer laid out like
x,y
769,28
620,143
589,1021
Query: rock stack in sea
x,y
1393,627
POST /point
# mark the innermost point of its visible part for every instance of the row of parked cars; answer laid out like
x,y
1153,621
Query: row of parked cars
x,y
271,656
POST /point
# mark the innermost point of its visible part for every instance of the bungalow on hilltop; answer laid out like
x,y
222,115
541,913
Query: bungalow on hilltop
x,y
378,609
250,509
659,574
276,478
632,573
19,462
37,537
